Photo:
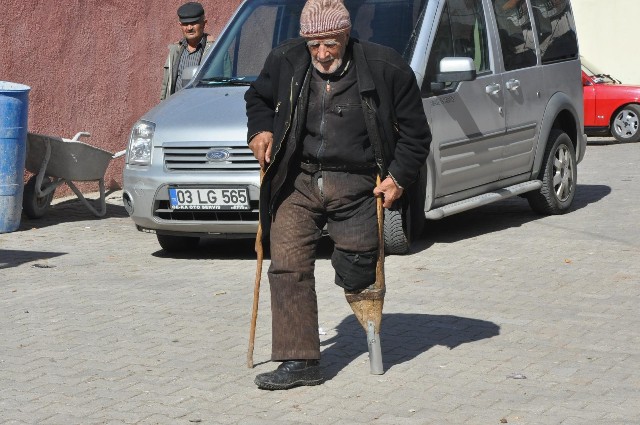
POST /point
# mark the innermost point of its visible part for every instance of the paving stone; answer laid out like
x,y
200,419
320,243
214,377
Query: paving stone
x,y
99,326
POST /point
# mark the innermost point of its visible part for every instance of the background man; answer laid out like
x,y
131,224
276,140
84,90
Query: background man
x,y
326,114
187,52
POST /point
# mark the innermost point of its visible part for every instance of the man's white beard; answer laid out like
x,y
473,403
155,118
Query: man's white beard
x,y
333,68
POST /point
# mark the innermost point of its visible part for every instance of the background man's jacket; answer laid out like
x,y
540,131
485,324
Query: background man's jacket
x,y
171,66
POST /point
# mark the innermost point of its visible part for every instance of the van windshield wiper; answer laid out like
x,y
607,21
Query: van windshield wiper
x,y
239,81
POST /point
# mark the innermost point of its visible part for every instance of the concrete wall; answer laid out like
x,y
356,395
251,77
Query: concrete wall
x,y
93,65
607,34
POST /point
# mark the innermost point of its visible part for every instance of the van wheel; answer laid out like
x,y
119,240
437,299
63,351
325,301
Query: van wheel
x,y
396,237
624,125
406,224
172,243
34,206
559,176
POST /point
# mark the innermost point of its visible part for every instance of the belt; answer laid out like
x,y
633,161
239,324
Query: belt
x,y
312,167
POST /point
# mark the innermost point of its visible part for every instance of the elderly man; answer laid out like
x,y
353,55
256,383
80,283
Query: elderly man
x,y
187,52
326,114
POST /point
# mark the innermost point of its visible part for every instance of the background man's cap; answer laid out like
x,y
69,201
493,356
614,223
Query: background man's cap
x,y
324,18
190,12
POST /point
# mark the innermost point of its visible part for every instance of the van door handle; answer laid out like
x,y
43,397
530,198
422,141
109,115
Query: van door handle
x,y
492,89
513,84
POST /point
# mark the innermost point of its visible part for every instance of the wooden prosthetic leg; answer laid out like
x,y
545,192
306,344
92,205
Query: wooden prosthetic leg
x,y
367,304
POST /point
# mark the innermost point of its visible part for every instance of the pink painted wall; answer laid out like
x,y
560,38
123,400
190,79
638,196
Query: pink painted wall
x,y
93,65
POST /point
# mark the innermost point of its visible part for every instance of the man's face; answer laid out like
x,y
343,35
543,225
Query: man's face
x,y
327,52
193,31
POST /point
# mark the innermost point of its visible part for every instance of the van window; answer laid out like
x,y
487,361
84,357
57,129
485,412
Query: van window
x,y
516,35
556,30
462,32
261,25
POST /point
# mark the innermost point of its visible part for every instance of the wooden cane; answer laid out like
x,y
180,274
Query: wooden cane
x,y
375,320
380,283
256,289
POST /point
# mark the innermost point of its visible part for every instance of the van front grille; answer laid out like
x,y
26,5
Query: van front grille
x,y
206,158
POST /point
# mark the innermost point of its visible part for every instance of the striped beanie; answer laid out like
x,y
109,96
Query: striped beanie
x,y
324,18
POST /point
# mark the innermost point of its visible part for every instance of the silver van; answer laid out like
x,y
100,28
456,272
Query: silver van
x,y
501,88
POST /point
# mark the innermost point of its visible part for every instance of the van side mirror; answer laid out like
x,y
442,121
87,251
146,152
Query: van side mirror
x,y
453,70
188,73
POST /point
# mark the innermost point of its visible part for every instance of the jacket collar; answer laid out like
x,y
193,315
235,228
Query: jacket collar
x,y
365,79
298,57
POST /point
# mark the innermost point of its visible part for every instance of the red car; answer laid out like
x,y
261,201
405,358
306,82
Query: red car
x,y
610,107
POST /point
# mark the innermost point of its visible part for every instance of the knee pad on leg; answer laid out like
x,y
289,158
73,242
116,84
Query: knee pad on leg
x,y
354,270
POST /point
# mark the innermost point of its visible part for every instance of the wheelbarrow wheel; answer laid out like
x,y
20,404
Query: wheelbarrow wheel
x,y
172,243
32,205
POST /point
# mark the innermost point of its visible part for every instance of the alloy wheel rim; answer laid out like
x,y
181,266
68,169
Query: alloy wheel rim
x,y
626,124
563,173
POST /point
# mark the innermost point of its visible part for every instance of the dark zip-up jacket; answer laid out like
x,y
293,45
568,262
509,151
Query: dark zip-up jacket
x,y
335,130
395,119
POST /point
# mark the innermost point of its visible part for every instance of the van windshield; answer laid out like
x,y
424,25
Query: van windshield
x,y
261,25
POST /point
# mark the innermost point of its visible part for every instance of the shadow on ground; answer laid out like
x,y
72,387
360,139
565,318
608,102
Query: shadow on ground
x,y
233,249
403,338
14,258
68,211
601,141
507,214
215,249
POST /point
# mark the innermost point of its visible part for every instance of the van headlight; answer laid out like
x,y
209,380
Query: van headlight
x,y
140,143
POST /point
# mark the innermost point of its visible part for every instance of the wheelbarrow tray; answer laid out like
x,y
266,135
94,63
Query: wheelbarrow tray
x,y
69,160
64,161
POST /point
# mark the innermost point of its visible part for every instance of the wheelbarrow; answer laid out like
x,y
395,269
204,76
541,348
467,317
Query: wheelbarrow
x,y
55,161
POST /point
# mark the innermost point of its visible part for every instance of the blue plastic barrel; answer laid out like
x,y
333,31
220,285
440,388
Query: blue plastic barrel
x,y
14,107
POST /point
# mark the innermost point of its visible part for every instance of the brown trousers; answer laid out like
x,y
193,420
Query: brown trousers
x,y
343,201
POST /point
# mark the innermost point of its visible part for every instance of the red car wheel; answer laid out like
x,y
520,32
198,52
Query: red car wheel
x,y
624,125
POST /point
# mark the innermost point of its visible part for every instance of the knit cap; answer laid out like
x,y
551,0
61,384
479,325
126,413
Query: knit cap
x,y
324,18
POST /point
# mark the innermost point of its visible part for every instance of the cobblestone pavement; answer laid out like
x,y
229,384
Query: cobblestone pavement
x,y
498,316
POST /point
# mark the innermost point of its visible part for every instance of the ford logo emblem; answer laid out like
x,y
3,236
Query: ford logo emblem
x,y
215,155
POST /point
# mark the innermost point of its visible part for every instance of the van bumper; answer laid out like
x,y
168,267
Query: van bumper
x,y
146,199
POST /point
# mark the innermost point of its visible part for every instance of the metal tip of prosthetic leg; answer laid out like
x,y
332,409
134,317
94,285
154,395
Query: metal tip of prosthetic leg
x,y
375,350
367,307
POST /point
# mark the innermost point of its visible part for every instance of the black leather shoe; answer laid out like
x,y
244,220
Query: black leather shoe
x,y
292,373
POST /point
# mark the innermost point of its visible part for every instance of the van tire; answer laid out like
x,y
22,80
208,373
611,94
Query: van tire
x,y
406,223
396,237
625,125
32,205
558,176
172,243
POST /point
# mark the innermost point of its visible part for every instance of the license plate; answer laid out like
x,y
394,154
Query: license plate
x,y
209,199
